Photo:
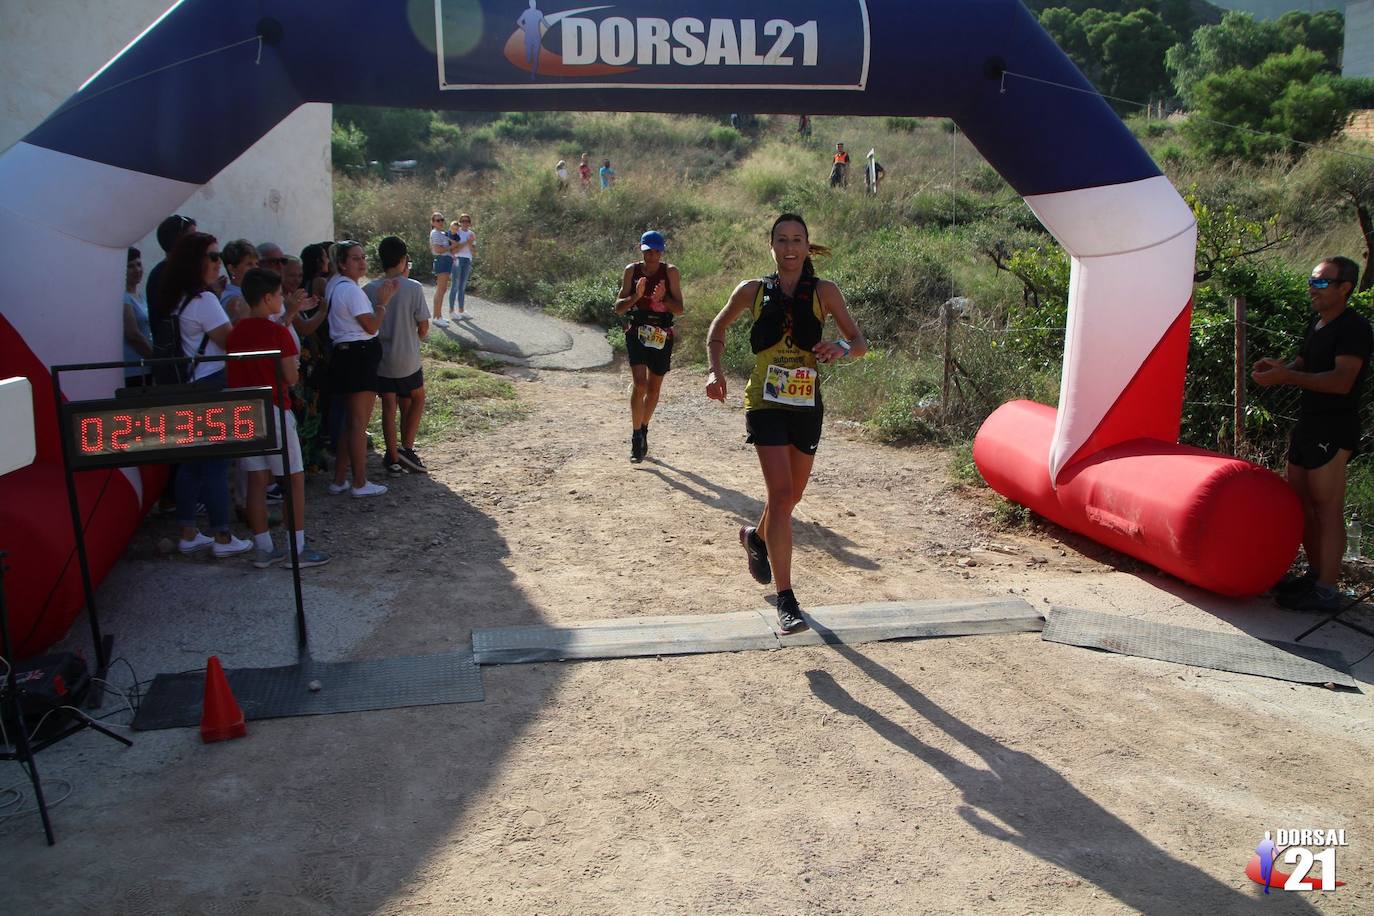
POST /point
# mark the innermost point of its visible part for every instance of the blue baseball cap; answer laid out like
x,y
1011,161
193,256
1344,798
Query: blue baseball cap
x,y
651,240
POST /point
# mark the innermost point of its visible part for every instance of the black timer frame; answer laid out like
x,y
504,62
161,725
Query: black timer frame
x,y
166,397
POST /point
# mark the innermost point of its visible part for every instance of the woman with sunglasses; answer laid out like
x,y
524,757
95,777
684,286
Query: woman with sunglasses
x,y
782,399
192,272
441,246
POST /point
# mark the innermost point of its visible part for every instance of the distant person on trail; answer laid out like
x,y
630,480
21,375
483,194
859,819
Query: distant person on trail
x,y
1330,369
650,295
561,171
441,246
607,175
400,379
584,171
782,400
839,167
532,22
803,125
464,239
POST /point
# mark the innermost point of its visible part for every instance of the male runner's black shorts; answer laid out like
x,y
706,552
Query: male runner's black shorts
x,y
658,361
1316,439
798,428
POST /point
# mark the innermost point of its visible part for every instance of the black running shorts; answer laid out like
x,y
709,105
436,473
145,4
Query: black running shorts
x,y
800,429
658,361
1317,439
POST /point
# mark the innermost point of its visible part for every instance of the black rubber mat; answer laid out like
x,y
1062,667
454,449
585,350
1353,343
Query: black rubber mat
x,y
1199,648
175,700
628,637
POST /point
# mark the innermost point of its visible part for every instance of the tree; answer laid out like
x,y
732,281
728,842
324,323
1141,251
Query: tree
x,y
1342,173
1121,53
1240,40
1255,112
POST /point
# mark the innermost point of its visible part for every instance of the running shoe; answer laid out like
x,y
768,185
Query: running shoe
x,y
411,461
439,322
336,488
393,466
196,544
308,558
263,559
756,551
636,447
233,547
790,617
1316,600
644,440
369,489
1293,585
274,494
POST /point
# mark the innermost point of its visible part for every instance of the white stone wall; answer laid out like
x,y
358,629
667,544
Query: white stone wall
x,y
280,190
1359,39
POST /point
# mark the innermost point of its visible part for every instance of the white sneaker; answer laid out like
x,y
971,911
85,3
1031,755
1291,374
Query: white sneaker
x,y
234,547
336,488
440,322
196,544
369,489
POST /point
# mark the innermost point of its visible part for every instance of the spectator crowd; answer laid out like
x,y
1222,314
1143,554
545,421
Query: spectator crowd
x,y
341,345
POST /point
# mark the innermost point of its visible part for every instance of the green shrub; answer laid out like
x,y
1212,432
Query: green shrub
x,y
347,145
586,300
901,125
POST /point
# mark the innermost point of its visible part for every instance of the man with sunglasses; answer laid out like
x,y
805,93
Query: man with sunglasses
x,y
1330,370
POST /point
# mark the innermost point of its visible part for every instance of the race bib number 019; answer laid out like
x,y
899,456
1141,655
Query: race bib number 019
x,y
652,337
793,387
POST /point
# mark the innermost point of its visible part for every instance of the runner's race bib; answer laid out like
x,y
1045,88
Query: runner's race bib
x,y
793,387
652,337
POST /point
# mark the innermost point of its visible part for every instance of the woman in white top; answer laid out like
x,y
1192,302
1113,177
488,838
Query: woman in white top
x,y
464,242
353,326
441,246
192,270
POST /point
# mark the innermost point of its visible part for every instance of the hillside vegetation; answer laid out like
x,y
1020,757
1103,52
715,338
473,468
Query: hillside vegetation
x,y
944,226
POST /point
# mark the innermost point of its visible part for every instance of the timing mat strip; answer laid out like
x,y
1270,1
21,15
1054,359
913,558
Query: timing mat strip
x,y
694,634
1200,648
176,700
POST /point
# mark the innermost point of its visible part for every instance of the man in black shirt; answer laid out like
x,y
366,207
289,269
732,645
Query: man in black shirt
x,y
1330,371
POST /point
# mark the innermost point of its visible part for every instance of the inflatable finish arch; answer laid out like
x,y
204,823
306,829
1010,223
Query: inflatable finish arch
x,y
209,79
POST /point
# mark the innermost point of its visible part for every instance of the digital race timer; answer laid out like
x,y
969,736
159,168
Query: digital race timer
x,y
148,429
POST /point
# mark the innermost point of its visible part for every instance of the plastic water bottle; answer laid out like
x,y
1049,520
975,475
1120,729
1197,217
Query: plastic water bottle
x,y
1352,537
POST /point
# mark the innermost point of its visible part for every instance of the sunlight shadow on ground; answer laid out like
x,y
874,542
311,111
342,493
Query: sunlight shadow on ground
x,y
1051,818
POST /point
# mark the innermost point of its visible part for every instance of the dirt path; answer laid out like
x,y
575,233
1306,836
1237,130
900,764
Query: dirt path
x,y
999,774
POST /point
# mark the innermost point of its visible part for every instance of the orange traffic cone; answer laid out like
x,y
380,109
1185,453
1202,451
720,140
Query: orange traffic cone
x,y
222,718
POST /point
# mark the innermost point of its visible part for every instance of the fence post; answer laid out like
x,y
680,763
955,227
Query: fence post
x,y
1238,420
947,314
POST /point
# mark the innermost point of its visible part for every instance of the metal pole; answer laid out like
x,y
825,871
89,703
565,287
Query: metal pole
x,y
289,494
1238,419
947,312
23,751
78,530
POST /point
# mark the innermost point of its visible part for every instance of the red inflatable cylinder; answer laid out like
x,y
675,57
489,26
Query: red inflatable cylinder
x,y
1215,521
